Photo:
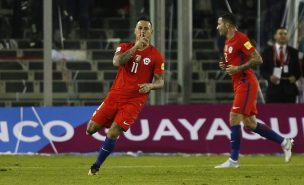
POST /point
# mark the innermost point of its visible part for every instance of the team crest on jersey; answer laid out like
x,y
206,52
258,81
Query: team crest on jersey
x,y
230,49
137,58
147,61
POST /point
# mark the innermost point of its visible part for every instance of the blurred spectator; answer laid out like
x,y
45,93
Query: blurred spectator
x,y
281,68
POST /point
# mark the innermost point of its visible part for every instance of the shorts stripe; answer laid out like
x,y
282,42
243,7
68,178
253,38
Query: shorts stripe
x,y
246,101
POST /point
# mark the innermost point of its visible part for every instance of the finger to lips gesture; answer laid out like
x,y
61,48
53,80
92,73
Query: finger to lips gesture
x,y
142,42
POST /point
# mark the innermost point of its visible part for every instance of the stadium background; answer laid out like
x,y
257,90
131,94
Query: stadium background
x,y
49,88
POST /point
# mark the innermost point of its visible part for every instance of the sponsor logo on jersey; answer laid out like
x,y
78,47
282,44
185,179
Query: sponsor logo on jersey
x,y
248,45
147,61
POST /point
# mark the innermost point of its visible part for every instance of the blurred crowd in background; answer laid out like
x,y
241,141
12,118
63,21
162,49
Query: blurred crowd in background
x,y
23,19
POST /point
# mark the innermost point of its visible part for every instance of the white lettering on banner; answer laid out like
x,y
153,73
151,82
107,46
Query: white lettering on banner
x,y
143,136
218,128
292,125
193,129
172,131
3,131
67,136
19,127
165,128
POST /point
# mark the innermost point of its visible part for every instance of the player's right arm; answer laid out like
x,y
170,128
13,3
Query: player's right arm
x,y
123,57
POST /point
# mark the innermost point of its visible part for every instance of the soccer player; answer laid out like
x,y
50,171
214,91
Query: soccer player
x,y
240,56
140,70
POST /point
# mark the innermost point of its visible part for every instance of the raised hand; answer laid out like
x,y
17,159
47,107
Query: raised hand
x,y
141,43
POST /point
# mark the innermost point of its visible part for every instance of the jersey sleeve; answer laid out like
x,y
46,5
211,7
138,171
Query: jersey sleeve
x,y
159,67
246,46
121,48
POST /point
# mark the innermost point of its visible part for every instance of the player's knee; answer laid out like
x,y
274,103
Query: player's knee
x,y
235,119
249,126
92,128
112,135
89,132
250,123
114,132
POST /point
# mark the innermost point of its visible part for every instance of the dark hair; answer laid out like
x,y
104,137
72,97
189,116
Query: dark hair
x,y
230,18
279,28
144,18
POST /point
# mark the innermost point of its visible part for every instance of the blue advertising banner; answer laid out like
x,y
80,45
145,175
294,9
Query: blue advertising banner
x,y
37,127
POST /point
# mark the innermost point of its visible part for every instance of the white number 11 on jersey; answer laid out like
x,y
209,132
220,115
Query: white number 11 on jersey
x,y
134,67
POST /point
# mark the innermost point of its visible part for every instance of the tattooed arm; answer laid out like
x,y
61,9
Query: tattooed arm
x,y
157,83
122,58
255,59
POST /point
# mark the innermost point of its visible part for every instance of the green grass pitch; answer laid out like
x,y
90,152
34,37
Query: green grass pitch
x,y
152,170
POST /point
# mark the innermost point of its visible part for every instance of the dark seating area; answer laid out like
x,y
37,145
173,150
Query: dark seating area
x,y
19,87
87,80
10,65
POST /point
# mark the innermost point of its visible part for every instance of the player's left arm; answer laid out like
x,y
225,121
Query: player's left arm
x,y
158,83
254,59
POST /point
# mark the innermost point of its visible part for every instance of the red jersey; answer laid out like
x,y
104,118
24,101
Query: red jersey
x,y
140,68
237,51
